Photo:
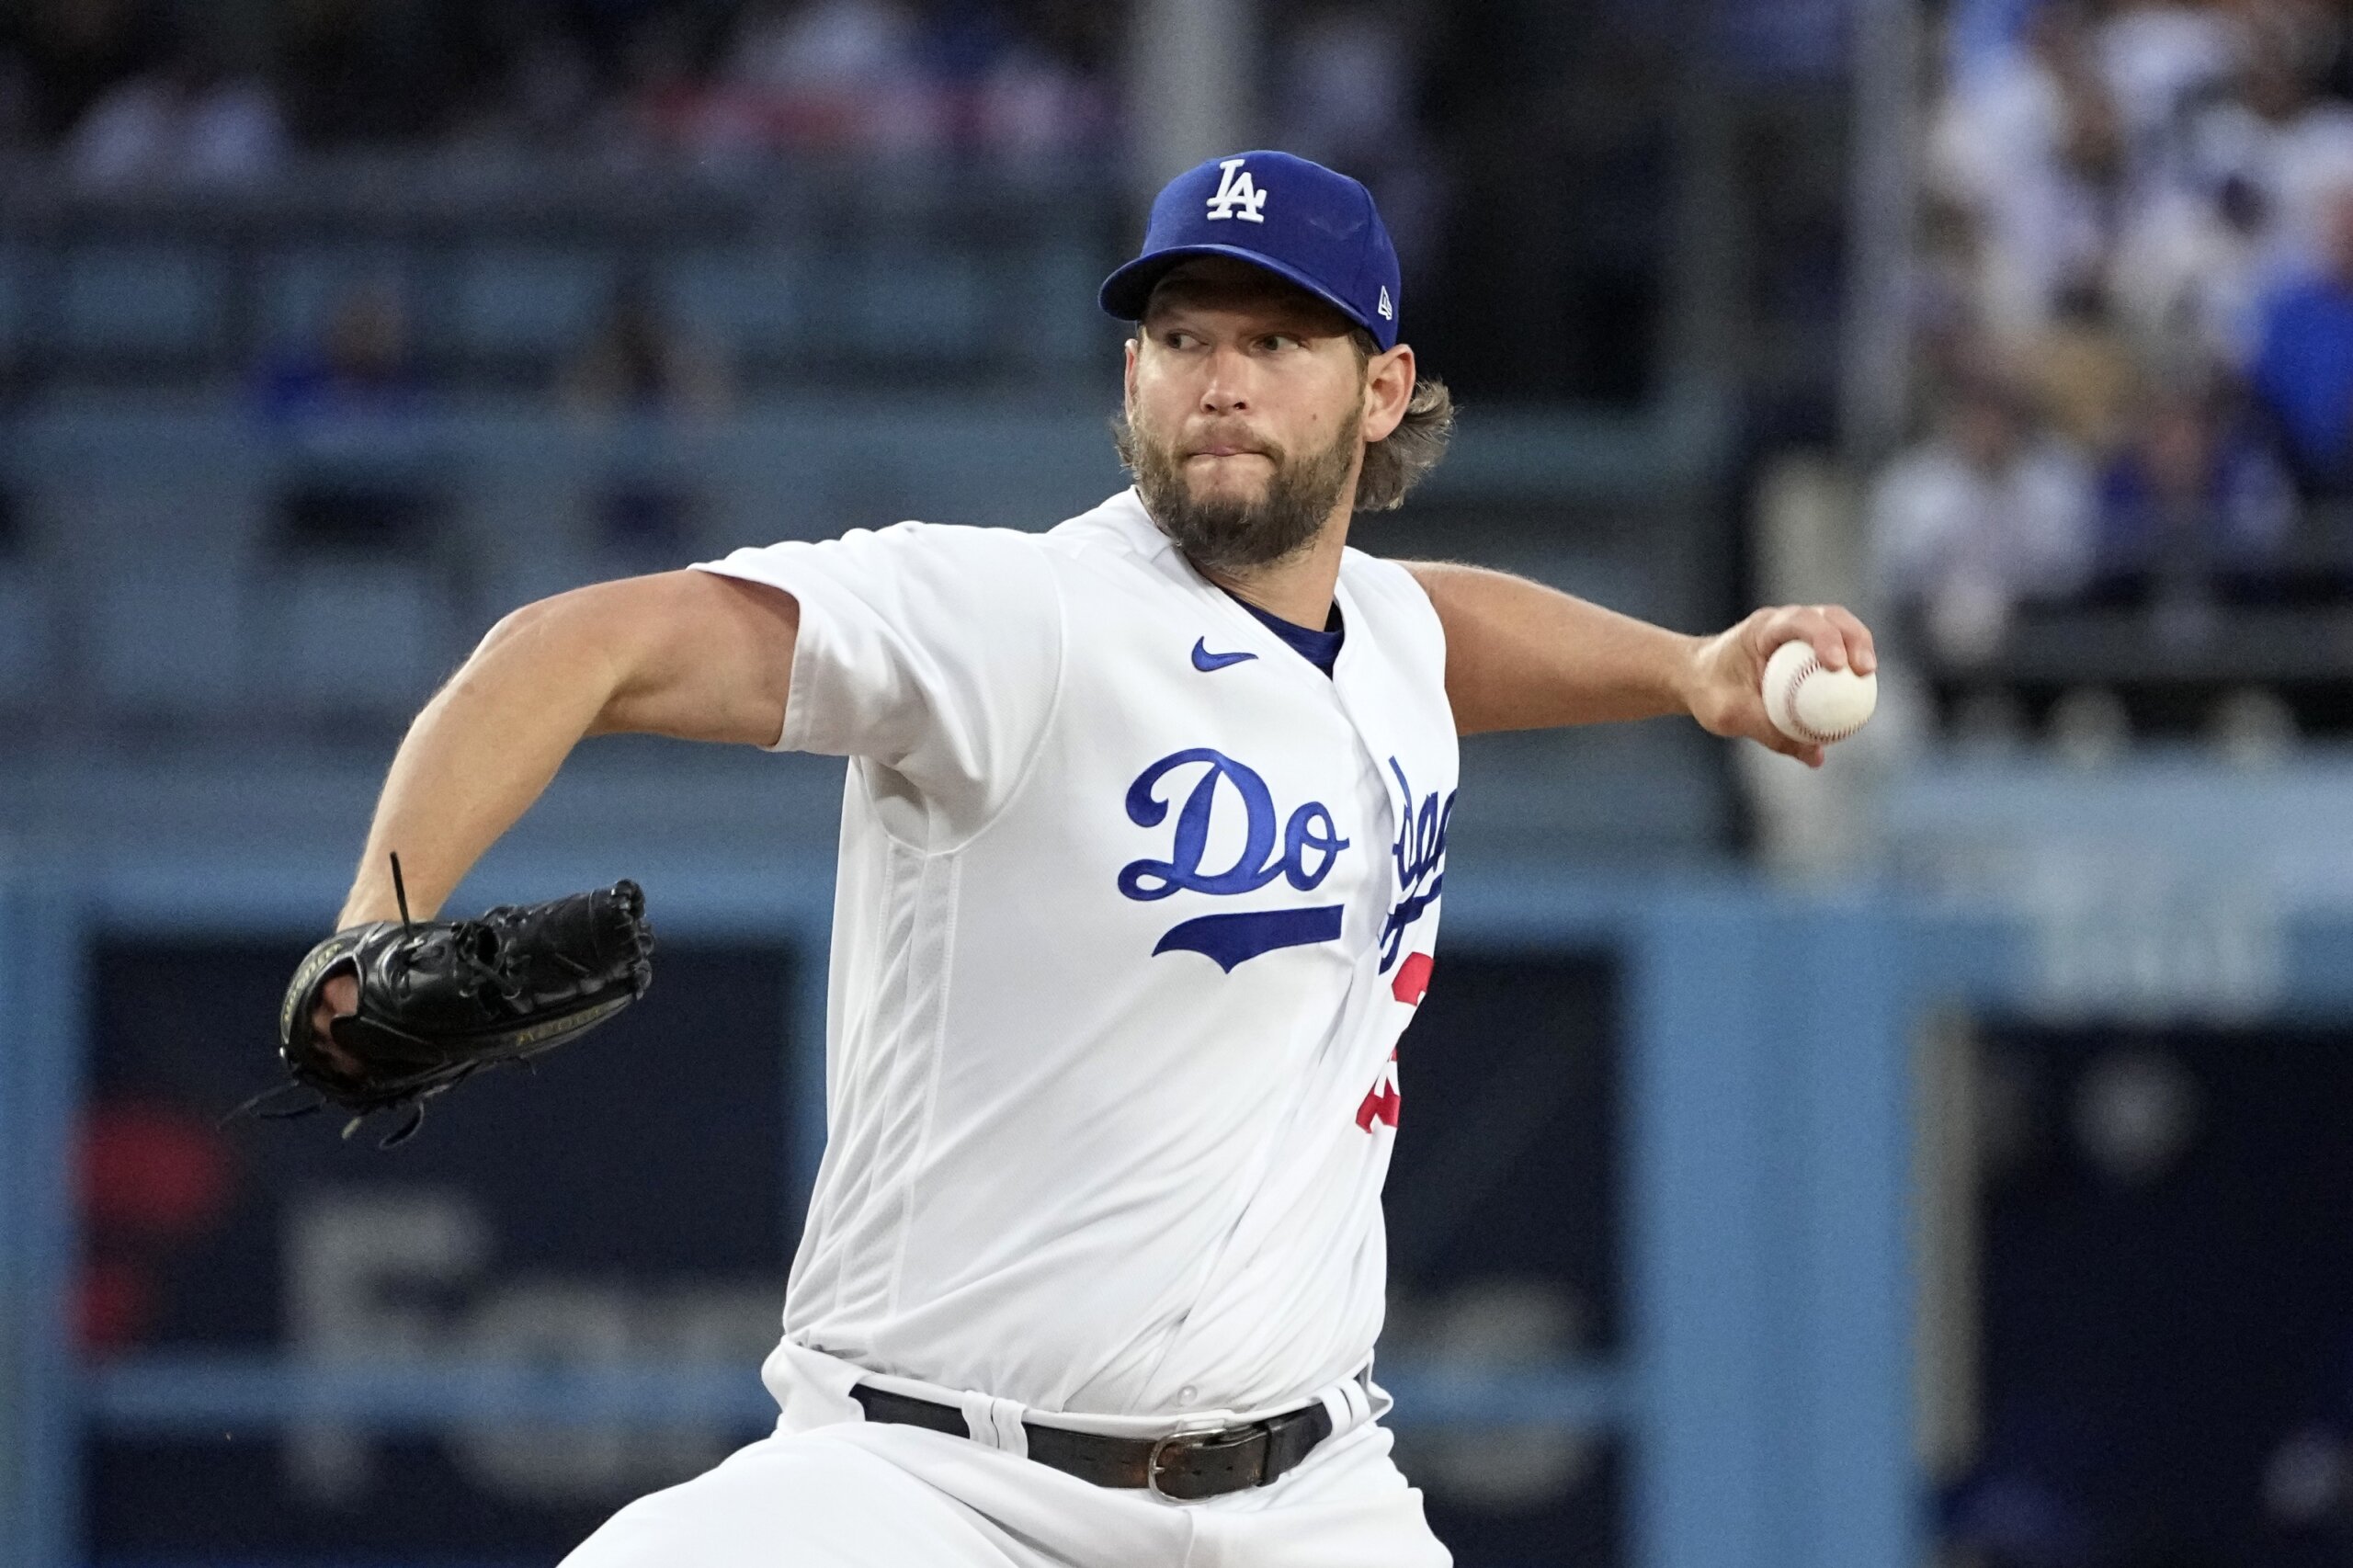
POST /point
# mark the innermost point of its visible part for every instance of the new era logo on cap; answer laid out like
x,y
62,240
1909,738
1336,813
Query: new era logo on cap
x,y
1298,220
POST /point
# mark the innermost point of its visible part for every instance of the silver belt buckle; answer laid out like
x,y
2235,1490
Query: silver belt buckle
x,y
1152,1463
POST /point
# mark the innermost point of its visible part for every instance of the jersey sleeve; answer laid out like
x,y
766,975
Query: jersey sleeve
x,y
935,650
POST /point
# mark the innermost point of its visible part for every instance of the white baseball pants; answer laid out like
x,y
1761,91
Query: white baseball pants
x,y
831,1490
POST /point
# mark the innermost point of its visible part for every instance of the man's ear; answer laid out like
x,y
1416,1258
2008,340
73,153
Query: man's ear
x,y
1388,388
1134,338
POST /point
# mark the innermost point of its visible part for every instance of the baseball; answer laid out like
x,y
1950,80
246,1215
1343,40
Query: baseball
x,y
1808,702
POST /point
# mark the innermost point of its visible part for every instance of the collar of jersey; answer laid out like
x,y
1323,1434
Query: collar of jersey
x,y
1146,535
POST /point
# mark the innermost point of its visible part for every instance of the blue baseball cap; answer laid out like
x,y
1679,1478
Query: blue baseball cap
x,y
1300,221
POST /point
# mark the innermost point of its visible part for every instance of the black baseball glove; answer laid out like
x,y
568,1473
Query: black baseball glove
x,y
440,1000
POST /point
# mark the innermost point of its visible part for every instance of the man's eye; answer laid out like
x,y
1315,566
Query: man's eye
x,y
1279,340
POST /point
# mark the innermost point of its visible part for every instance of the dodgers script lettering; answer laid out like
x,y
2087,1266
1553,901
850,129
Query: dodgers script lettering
x,y
1300,850
1420,855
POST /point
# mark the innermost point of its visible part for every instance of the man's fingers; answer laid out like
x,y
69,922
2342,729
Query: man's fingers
x,y
1861,655
338,998
1822,634
1750,719
1801,623
1805,752
1836,635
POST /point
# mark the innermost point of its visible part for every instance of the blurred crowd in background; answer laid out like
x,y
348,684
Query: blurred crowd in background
x,y
332,245
145,92
2135,302
134,91
173,99
2126,504
2133,290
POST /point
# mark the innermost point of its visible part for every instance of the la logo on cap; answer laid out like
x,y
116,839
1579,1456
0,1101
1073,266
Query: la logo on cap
x,y
1236,189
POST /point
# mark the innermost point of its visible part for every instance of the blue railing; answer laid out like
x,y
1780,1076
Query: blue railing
x,y
205,1394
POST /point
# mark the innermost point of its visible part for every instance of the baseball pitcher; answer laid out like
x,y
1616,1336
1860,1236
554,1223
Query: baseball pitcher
x,y
1142,863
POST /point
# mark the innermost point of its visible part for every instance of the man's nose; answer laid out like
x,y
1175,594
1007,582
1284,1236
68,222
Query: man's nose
x,y
1228,388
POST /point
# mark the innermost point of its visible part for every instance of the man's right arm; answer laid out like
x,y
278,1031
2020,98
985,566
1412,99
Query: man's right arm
x,y
685,654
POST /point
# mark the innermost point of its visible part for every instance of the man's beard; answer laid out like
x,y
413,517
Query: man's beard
x,y
1230,535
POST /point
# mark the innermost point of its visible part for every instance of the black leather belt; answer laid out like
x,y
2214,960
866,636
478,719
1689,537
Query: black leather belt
x,y
1186,1466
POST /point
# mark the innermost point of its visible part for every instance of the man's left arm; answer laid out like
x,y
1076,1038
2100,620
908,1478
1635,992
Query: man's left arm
x,y
1522,656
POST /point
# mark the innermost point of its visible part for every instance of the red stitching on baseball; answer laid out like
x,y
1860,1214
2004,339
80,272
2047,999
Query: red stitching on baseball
x,y
1812,664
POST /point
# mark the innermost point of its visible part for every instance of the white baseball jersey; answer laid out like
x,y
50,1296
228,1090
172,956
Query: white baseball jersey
x,y
1134,905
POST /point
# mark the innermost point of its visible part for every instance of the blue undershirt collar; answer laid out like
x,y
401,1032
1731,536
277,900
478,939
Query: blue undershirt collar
x,y
1321,649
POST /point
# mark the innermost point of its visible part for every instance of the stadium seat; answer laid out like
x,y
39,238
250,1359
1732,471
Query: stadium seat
x,y
139,302
1056,272
301,289
537,304
24,636
913,302
364,639
163,641
24,614
15,265
753,305
351,608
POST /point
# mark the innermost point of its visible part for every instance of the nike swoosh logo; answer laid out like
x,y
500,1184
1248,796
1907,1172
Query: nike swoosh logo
x,y
1205,661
